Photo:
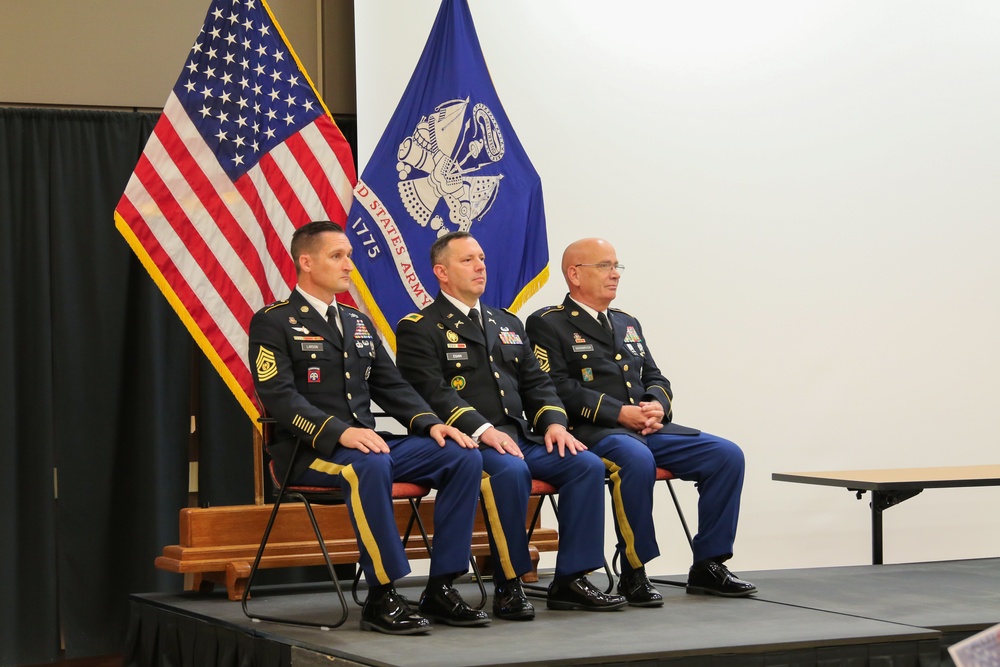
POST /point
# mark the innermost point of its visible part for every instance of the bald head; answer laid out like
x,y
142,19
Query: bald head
x,y
589,267
577,252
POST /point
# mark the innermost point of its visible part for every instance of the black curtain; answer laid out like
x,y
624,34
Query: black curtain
x,y
97,376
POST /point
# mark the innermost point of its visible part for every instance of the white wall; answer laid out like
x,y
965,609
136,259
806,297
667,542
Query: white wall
x,y
805,195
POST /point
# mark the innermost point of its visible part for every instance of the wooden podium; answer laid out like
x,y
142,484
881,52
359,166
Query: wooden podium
x,y
218,544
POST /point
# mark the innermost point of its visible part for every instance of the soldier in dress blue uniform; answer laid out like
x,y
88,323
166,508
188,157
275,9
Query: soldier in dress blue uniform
x,y
317,366
619,404
474,365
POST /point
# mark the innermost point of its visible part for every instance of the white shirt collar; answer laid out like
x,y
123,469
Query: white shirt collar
x,y
593,313
462,308
317,303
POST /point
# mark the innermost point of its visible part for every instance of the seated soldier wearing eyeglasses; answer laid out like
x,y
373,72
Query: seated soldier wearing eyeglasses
x,y
619,405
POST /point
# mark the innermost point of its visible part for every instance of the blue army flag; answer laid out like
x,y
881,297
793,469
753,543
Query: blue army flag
x,y
448,161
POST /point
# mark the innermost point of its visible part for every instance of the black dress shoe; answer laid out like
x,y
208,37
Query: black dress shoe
x,y
510,603
443,603
581,594
389,613
635,586
711,578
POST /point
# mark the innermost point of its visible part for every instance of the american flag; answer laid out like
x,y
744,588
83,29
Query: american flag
x,y
244,153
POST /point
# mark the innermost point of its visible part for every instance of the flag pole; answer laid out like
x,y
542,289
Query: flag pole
x,y
258,467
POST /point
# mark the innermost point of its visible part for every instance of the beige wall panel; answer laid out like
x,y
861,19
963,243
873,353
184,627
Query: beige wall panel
x,y
338,57
117,53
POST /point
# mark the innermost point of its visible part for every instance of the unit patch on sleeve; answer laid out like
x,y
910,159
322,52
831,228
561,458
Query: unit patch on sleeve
x,y
267,367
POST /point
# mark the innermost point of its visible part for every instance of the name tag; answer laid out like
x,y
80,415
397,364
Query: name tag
x,y
458,356
583,348
312,347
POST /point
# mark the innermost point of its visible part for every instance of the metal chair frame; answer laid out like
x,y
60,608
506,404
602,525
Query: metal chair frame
x,y
662,474
544,490
305,495
399,492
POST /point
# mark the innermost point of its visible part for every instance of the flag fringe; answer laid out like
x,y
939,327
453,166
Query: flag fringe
x,y
182,312
388,335
530,289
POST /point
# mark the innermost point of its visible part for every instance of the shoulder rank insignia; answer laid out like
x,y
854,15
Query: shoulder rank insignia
x,y
413,317
266,365
543,358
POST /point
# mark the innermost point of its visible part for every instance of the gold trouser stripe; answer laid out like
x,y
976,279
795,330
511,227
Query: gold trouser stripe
x,y
493,516
364,531
624,526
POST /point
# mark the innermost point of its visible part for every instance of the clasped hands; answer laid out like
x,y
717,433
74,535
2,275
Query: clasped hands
x,y
645,418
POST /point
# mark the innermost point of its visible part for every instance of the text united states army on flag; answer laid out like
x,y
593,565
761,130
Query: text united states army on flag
x,y
449,160
243,154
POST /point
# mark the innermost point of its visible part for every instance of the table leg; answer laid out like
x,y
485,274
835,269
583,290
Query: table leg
x,y
876,528
883,500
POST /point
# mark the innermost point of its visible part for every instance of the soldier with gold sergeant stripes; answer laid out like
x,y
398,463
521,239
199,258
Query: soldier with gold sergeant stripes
x,y
474,365
317,368
619,404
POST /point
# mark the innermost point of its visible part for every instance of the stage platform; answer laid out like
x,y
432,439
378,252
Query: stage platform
x,y
879,615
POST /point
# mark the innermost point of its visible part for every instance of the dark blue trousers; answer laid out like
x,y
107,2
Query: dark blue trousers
x,y
716,466
506,487
367,482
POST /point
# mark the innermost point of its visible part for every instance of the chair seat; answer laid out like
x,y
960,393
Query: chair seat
x,y
400,490
404,490
540,488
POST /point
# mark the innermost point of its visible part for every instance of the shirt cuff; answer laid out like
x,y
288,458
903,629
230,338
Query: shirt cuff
x,y
479,431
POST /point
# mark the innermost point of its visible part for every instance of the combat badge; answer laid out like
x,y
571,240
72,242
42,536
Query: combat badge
x,y
577,338
267,367
588,374
458,383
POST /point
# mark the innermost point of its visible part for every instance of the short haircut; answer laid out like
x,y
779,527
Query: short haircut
x,y
439,247
304,240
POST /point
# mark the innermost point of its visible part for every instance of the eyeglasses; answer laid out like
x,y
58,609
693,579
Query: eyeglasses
x,y
605,266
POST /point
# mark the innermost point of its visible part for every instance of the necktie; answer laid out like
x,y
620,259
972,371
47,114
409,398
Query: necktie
x,y
603,319
474,316
333,317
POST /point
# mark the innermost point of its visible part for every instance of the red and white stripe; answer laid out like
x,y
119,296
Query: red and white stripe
x,y
222,246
